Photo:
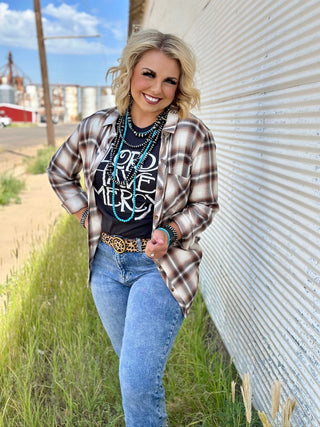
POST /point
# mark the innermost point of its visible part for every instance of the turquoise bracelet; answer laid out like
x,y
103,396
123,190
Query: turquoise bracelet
x,y
166,231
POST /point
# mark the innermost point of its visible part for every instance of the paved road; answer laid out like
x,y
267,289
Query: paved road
x,y
14,138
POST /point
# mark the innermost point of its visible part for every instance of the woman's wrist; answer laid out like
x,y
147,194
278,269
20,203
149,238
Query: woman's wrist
x,y
167,233
83,218
171,232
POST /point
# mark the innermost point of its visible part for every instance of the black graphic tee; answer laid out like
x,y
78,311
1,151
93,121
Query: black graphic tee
x,y
141,223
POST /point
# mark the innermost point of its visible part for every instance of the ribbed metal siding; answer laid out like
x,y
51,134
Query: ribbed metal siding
x,y
261,96
259,74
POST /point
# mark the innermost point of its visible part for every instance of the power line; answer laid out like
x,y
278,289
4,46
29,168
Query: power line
x,y
70,37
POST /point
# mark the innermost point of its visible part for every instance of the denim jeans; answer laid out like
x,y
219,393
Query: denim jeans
x,y
142,319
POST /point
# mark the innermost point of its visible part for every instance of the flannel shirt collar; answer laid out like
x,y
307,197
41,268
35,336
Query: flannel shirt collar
x,y
172,121
111,118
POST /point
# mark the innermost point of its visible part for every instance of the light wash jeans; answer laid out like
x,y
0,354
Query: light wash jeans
x,y
142,320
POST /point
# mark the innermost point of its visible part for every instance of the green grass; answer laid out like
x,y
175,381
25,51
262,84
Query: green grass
x,y
39,163
23,125
58,368
10,187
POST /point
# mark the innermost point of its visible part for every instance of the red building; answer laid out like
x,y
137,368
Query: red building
x,y
18,113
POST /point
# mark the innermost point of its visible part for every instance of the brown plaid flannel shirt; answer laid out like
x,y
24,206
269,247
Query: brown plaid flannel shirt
x,y
186,190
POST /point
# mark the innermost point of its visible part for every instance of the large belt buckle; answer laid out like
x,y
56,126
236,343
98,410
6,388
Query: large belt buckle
x,y
118,244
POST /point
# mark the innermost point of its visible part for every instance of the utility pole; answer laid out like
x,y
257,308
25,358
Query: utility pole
x,y
44,72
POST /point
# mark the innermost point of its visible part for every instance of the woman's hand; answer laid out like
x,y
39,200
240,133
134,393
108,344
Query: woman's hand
x,y
157,245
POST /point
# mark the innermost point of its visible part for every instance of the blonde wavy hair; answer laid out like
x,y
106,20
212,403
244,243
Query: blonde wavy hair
x,y
187,96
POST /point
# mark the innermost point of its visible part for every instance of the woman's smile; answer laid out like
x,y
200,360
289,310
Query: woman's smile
x,y
151,99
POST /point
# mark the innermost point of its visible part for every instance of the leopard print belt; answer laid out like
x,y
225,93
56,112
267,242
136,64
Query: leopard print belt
x,y
121,244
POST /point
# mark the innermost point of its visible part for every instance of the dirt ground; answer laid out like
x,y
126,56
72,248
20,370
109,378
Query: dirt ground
x,y
24,226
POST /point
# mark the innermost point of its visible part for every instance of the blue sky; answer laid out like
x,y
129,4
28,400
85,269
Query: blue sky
x,y
70,61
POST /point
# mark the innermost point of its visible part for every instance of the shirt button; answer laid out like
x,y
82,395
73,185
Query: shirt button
x,y
172,289
156,217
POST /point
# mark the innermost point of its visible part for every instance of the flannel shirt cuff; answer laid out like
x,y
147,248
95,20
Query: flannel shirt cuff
x,y
75,203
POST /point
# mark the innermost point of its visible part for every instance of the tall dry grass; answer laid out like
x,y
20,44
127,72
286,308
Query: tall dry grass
x,y
287,408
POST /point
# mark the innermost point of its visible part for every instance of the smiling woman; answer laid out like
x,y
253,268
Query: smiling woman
x,y
151,188
186,95
154,84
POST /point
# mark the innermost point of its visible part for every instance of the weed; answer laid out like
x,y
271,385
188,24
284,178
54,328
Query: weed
x,y
39,163
287,408
10,187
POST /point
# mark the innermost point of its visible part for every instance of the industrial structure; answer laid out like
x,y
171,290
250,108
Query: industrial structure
x,y
259,77
10,75
23,101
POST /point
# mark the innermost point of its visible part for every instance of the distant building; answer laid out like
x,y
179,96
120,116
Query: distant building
x,y
18,113
64,101
95,98
69,103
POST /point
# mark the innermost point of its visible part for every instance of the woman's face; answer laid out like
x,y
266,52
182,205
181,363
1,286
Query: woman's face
x,y
154,83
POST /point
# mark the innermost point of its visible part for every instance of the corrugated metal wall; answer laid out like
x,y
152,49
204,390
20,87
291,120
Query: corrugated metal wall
x,y
259,74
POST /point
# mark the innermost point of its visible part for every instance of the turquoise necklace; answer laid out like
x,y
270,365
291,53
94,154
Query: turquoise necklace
x,y
148,146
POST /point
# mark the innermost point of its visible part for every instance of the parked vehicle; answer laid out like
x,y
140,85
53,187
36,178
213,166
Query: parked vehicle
x,y
43,119
5,121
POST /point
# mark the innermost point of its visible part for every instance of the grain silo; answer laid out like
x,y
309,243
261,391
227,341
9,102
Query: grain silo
x,y
106,98
31,98
71,104
88,100
7,94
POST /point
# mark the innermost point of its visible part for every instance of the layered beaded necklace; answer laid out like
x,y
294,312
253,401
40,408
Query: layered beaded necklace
x,y
150,137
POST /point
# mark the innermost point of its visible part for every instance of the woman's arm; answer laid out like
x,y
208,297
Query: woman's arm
x,y
202,201
202,198
64,175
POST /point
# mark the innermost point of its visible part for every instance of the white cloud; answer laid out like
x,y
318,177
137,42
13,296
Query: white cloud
x,y
17,29
67,18
117,29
